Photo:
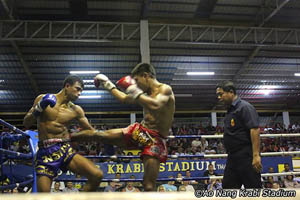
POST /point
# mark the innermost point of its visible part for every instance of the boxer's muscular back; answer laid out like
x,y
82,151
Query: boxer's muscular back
x,y
160,120
54,122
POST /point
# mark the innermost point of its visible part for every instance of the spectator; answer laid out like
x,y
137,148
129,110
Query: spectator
x,y
269,183
188,175
196,143
210,150
271,170
119,185
161,188
275,185
56,188
209,172
136,184
293,147
214,184
130,188
274,147
111,187
282,147
286,169
204,144
178,182
70,188
289,182
182,188
170,187
220,148
188,187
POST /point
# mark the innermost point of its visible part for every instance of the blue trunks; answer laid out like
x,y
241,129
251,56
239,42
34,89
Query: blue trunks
x,y
51,158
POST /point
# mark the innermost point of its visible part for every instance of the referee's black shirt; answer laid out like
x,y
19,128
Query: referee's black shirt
x,y
240,118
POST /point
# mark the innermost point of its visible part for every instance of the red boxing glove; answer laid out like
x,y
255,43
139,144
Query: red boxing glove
x,y
128,84
125,82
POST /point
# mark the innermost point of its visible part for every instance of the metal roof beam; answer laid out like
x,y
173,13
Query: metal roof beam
x,y
6,9
76,31
274,12
257,49
19,53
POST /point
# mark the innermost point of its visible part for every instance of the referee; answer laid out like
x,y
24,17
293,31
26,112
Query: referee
x,y
241,140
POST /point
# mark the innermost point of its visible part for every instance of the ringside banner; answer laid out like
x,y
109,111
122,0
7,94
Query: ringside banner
x,y
172,167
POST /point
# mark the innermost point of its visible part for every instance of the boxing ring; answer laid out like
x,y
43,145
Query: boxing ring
x,y
7,155
129,196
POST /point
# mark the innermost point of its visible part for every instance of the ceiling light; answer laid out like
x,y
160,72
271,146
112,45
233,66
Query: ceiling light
x,y
84,72
200,73
89,86
266,92
297,74
183,95
91,91
88,81
90,97
269,86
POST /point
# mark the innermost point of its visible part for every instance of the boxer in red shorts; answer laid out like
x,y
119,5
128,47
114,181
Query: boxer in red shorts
x,y
158,102
151,143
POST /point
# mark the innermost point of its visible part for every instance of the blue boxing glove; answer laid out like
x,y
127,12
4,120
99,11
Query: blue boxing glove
x,y
48,99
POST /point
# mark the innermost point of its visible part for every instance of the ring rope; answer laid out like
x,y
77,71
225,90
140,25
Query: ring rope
x,y
16,155
221,136
176,179
195,156
13,128
12,137
262,154
12,186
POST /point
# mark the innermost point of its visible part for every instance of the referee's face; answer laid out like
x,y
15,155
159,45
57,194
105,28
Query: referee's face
x,y
224,97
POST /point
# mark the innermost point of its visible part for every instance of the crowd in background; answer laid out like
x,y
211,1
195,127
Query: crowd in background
x,y
197,146
182,146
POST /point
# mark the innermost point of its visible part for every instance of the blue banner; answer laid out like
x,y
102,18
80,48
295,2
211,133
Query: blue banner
x,y
171,167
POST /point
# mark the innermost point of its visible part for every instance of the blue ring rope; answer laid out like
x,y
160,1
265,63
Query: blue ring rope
x,y
135,180
16,155
15,129
128,157
12,186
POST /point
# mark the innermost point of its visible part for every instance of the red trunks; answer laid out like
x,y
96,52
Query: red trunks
x,y
149,141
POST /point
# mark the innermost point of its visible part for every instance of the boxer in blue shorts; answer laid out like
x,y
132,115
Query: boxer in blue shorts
x,y
53,156
54,113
